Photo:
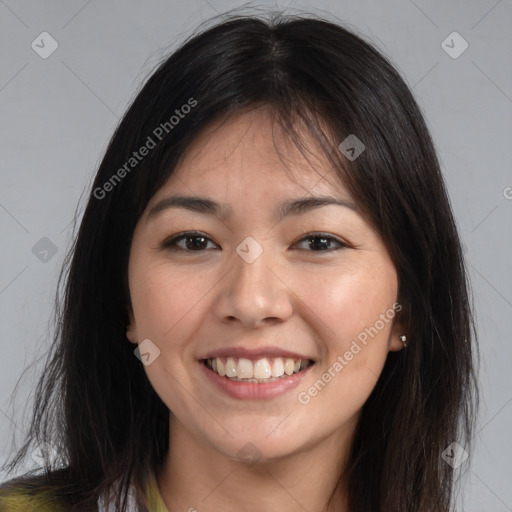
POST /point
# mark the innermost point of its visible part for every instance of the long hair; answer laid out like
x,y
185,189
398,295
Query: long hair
x,y
94,403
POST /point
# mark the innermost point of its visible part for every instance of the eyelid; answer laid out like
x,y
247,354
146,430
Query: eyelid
x,y
170,242
319,234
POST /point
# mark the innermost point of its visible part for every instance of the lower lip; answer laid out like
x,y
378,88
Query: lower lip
x,y
254,390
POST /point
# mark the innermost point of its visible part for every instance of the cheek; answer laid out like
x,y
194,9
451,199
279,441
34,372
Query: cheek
x,y
353,305
166,300
354,318
353,298
168,305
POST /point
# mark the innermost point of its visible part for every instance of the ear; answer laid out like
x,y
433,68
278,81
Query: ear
x,y
131,332
398,330
396,344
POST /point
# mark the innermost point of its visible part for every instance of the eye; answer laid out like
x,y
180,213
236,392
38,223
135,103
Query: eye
x,y
194,241
321,242
191,241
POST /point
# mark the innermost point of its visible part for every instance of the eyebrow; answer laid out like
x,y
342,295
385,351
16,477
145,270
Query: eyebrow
x,y
207,206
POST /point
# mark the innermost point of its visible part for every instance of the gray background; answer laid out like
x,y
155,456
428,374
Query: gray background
x,y
58,114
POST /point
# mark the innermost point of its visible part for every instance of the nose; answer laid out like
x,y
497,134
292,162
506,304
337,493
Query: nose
x,y
253,294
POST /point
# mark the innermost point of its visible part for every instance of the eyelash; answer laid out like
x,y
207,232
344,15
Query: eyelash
x,y
171,243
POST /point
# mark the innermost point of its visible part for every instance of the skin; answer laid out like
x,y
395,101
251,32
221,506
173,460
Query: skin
x,y
309,300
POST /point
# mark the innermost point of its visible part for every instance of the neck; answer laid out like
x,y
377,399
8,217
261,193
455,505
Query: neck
x,y
196,477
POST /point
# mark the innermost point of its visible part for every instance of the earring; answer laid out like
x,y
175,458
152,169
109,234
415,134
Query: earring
x,y
403,339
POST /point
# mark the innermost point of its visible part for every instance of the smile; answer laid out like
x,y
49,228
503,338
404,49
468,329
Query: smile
x,y
262,370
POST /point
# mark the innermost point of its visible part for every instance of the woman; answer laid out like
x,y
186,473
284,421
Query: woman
x,y
266,305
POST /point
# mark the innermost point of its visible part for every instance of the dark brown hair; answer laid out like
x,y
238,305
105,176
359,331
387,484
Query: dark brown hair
x,y
94,403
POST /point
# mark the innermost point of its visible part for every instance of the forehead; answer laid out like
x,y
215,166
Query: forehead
x,y
250,153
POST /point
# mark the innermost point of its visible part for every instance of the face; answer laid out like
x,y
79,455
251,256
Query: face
x,y
265,316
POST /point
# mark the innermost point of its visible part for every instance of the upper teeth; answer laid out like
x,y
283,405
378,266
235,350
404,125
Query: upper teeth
x,y
264,368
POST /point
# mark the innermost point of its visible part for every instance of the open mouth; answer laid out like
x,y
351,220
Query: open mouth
x,y
268,369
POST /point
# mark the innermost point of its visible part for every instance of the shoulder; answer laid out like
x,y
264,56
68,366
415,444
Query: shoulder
x,y
32,493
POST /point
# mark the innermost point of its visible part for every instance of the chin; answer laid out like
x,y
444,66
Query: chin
x,y
257,447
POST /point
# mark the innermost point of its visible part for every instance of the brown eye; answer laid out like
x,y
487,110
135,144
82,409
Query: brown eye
x,y
319,242
189,242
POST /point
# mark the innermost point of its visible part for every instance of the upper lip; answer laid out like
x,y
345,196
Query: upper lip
x,y
253,353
